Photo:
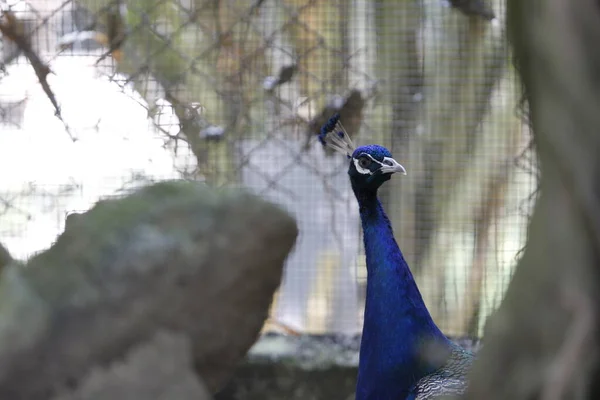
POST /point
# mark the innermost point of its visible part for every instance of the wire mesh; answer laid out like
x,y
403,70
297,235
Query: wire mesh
x,y
100,96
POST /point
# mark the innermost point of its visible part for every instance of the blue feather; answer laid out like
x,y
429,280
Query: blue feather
x,y
403,354
334,135
328,127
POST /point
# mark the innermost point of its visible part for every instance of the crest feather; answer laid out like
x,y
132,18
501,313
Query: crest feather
x,y
334,135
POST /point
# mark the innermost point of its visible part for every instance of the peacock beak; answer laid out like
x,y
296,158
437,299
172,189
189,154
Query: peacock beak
x,y
391,166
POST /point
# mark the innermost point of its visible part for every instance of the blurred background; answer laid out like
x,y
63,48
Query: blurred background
x,y
98,97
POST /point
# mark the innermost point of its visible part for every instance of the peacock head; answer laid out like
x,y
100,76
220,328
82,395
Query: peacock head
x,y
370,165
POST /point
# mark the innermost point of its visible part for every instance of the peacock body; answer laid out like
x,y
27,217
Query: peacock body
x,y
403,354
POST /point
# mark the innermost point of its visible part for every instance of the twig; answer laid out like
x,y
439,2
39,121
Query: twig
x,y
12,29
284,327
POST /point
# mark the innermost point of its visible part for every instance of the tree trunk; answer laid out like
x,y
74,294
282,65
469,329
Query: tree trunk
x,y
542,343
399,23
451,157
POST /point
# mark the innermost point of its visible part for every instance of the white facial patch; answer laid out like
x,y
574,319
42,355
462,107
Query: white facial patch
x,y
389,161
361,170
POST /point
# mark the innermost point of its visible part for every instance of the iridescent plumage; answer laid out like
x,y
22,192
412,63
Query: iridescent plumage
x,y
450,379
403,353
334,135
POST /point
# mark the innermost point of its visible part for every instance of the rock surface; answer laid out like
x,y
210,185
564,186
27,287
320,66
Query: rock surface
x,y
5,257
173,256
160,369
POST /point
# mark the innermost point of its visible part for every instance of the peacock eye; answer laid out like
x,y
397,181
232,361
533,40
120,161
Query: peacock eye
x,y
364,162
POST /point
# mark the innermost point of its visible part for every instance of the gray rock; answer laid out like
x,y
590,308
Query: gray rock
x,y
72,219
160,369
5,257
174,255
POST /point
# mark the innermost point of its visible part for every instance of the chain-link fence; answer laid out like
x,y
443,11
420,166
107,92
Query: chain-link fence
x,y
100,96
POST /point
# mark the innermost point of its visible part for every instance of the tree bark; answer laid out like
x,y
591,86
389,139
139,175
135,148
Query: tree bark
x,y
439,132
543,342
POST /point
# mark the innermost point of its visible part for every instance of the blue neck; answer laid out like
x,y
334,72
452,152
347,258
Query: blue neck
x,y
396,320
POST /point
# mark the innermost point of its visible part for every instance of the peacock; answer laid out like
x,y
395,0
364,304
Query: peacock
x,y
403,354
